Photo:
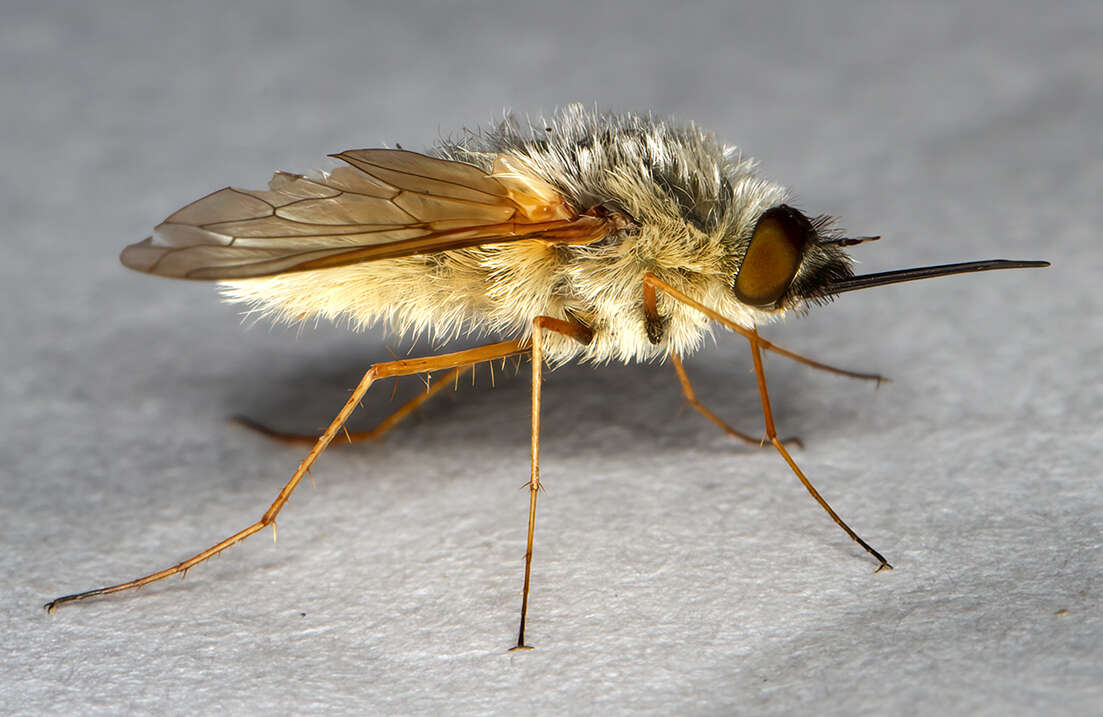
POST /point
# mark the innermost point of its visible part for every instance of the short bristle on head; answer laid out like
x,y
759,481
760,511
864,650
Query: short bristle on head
x,y
848,241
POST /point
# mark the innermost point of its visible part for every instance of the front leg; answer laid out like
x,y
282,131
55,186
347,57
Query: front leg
x,y
652,283
655,326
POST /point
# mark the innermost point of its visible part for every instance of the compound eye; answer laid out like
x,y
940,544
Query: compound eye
x,y
773,256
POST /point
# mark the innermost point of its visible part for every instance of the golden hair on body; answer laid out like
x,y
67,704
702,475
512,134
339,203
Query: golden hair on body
x,y
685,206
590,237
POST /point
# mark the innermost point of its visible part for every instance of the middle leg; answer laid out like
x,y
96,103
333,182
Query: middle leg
x,y
583,335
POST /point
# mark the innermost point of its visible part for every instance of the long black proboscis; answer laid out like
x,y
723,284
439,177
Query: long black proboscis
x,y
927,272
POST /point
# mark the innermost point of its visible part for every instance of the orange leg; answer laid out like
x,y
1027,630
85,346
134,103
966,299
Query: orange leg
x,y
376,372
757,344
583,335
691,399
651,283
756,353
370,435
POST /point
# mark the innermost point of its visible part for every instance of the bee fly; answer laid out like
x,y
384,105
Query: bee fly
x,y
594,238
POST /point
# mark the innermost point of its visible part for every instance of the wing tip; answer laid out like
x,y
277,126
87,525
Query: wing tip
x,y
141,256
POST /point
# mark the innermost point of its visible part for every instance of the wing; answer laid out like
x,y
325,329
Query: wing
x,y
383,203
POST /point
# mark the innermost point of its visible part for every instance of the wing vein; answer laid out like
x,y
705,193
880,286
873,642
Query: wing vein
x,y
420,176
385,204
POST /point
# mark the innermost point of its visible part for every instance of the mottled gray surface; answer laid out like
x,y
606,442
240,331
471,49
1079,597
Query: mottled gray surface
x,y
675,572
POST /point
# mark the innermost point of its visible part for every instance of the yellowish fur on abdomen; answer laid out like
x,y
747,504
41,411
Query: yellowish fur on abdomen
x,y
497,291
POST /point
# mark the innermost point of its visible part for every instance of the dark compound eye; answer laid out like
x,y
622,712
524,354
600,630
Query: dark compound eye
x,y
773,256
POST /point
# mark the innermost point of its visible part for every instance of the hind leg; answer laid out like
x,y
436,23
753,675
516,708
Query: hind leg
x,y
373,374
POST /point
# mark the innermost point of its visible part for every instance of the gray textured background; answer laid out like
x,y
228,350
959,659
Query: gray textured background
x,y
675,571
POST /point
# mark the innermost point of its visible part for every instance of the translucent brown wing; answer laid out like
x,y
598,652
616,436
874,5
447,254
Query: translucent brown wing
x,y
384,203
